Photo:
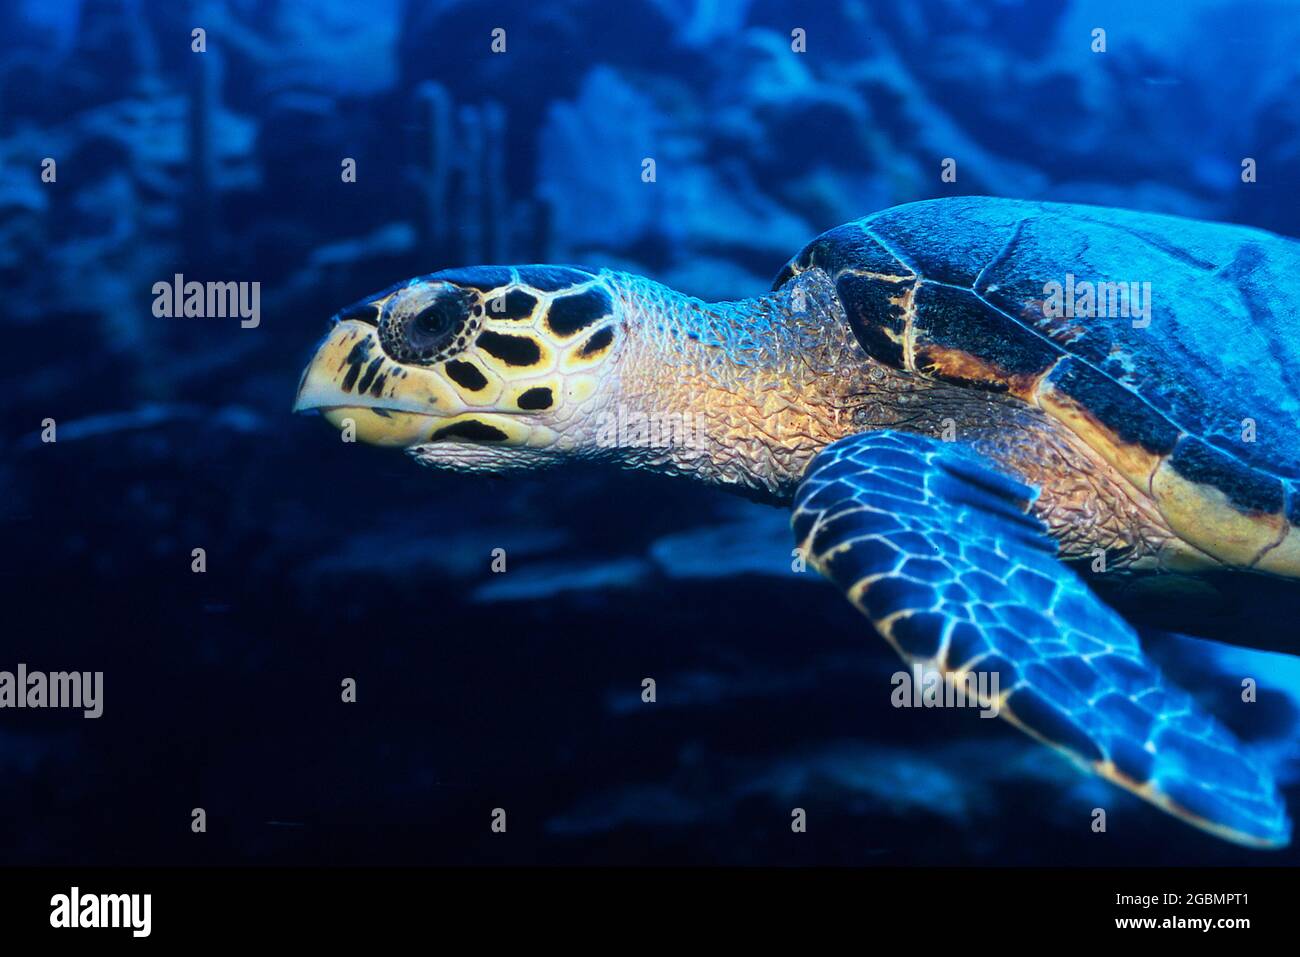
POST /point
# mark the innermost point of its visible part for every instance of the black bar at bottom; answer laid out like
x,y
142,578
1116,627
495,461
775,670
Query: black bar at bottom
x,y
291,904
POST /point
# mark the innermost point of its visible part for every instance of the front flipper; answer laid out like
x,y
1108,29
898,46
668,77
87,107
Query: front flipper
x,y
937,549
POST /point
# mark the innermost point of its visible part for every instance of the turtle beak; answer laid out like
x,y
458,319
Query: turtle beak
x,y
364,393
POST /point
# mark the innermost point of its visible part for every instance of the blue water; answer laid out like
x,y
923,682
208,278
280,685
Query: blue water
x,y
326,562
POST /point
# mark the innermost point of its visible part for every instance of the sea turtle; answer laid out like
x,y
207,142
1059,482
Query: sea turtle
x,y
966,435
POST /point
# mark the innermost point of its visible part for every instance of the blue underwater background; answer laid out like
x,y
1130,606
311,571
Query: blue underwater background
x,y
327,561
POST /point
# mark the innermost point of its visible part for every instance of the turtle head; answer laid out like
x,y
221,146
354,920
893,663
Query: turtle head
x,y
480,369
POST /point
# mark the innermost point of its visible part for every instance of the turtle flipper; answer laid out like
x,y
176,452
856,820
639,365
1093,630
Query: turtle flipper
x,y
937,549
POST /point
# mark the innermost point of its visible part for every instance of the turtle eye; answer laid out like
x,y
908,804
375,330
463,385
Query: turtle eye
x,y
428,326
433,326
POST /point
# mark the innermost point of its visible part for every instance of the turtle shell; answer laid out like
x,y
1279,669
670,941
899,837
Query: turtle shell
x,y
1171,346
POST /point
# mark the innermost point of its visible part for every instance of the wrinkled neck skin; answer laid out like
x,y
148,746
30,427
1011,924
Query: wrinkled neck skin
x,y
741,394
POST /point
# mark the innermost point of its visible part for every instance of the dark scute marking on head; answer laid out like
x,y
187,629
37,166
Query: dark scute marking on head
x,y
371,371
516,304
465,374
350,379
377,387
471,429
514,350
1114,406
870,313
1246,488
956,319
569,314
536,399
356,359
360,352
553,278
482,278
599,341
850,247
